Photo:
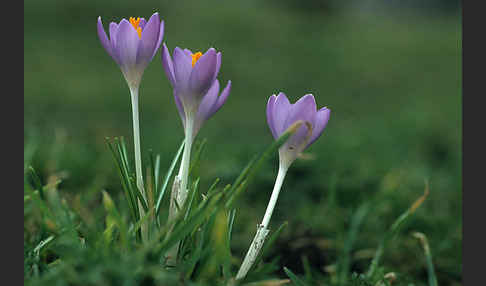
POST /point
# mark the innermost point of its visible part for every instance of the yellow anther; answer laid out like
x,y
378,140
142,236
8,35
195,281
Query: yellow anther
x,y
135,23
195,57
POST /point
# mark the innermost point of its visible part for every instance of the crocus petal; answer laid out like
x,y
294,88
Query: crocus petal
x,y
113,31
127,43
148,42
208,102
103,38
180,108
222,97
303,109
270,105
167,64
202,76
182,69
161,35
206,106
320,121
218,64
281,110
142,23
188,52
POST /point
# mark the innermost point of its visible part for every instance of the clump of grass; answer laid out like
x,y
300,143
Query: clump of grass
x,y
67,250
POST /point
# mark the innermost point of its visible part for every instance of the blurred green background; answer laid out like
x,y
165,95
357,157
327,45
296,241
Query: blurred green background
x,y
389,71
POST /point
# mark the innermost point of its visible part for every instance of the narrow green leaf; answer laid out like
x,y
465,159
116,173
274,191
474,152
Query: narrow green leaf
x,y
114,216
157,174
394,229
193,195
296,280
125,153
139,195
345,258
212,187
124,180
231,220
307,268
167,177
428,257
186,226
197,155
139,223
42,244
37,182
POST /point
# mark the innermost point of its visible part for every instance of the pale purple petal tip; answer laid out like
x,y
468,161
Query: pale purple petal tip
x,y
218,64
202,76
206,107
104,38
270,105
180,108
182,69
148,42
168,65
320,122
281,111
113,31
127,44
161,35
188,52
222,97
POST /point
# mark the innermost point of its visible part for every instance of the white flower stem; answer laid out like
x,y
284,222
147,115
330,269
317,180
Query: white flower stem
x,y
262,229
138,157
186,160
282,171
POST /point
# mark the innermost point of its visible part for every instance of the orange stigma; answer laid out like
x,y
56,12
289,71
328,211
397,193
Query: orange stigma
x,y
195,57
135,23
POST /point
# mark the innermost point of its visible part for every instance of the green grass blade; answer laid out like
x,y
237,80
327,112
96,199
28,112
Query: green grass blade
x,y
428,257
124,153
197,155
132,202
212,187
157,175
42,244
295,279
139,195
394,229
191,200
345,258
167,177
187,226
37,182
231,220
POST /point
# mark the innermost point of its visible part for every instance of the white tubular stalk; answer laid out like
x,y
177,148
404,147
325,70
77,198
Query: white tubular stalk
x,y
262,229
138,157
179,189
185,161
282,171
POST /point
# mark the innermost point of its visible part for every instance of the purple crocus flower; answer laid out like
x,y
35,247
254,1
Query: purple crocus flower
x,y
281,114
132,44
196,88
197,97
